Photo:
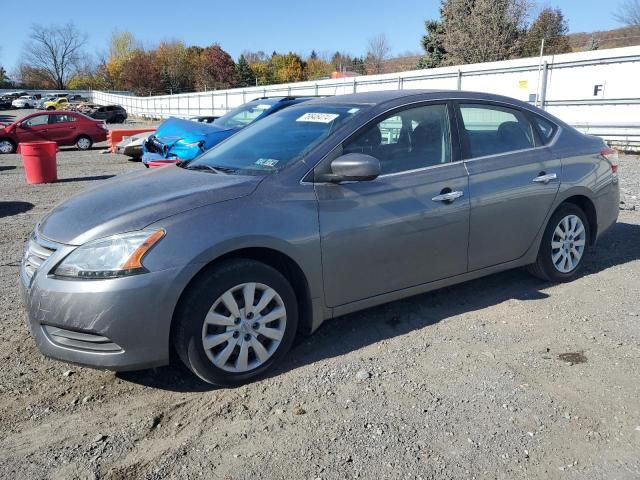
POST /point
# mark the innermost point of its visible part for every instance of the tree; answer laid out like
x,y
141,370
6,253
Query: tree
x,y
433,45
218,69
54,51
142,73
122,46
341,62
479,31
593,43
4,79
287,68
28,76
629,13
550,26
246,77
175,71
378,50
316,68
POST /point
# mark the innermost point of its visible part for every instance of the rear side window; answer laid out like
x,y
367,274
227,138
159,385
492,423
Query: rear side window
x,y
492,130
546,128
62,118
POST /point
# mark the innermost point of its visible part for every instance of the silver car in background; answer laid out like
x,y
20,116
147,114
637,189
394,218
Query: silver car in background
x,y
324,208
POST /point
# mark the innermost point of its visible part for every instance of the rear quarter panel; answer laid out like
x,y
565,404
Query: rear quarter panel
x,y
587,173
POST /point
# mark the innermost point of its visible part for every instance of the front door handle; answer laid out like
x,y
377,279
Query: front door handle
x,y
545,178
448,197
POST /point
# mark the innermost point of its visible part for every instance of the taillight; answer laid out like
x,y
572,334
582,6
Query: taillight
x,y
611,154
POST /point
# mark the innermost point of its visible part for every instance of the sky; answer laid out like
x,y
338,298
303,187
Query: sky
x,y
280,25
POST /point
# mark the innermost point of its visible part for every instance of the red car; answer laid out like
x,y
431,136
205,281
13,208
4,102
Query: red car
x,y
65,128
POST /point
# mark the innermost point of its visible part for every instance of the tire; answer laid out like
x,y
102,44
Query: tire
x,y
553,246
83,142
232,334
7,146
51,108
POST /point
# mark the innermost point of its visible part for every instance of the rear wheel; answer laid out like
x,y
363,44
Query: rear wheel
x,y
83,142
564,246
7,146
236,322
51,108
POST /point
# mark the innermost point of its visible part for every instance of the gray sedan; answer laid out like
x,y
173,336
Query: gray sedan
x,y
324,208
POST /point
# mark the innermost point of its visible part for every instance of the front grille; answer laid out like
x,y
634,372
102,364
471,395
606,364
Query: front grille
x,y
36,253
80,340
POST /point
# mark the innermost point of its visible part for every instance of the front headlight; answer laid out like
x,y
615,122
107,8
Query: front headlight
x,y
111,257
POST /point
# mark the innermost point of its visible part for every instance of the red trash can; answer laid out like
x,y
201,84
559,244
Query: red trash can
x,y
39,159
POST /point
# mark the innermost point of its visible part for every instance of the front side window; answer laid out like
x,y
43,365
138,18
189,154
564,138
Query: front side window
x,y
36,121
276,141
492,130
407,140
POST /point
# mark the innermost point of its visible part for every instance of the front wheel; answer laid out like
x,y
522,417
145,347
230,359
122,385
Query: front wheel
x,y
7,146
236,322
565,244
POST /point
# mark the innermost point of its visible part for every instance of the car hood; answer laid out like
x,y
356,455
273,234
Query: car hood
x,y
188,131
132,201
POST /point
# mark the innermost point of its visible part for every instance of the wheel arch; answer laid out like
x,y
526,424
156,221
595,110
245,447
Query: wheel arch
x,y
588,207
276,259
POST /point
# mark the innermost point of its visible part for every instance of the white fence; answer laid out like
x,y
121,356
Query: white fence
x,y
597,91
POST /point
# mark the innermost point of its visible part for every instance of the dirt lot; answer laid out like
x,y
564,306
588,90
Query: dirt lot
x,y
472,381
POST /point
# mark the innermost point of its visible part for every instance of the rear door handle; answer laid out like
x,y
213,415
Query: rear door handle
x,y
448,197
545,178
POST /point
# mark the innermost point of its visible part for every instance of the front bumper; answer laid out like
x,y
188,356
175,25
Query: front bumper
x,y
115,324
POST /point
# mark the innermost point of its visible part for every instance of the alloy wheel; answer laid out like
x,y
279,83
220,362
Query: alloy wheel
x,y
244,327
568,243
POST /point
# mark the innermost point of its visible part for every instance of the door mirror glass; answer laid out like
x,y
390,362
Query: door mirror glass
x,y
353,167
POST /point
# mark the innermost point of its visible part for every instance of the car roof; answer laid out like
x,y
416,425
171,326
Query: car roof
x,y
381,97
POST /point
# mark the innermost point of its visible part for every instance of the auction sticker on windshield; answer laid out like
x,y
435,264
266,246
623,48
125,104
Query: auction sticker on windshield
x,y
267,162
318,117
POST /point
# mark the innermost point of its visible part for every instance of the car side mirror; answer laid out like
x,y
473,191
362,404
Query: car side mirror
x,y
352,167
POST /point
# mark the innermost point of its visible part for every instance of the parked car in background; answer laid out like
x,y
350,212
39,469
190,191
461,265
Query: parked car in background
x,y
75,98
40,103
204,119
177,139
64,128
26,101
110,114
5,103
59,103
132,146
322,209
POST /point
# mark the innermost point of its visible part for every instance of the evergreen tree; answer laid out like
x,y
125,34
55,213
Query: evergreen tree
x,y
246,77
433,46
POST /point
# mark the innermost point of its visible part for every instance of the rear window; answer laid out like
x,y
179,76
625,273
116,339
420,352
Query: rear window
x,y
546,128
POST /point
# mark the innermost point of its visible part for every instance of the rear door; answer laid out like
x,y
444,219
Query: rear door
x,y
513,181
398,230
63,128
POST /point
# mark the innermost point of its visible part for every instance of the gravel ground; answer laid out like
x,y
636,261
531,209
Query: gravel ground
x,y
505,377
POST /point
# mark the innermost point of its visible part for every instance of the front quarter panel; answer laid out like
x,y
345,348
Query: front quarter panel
x,y
275,216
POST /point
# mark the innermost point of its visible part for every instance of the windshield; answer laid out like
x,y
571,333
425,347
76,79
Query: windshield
x,y
244,115
271,144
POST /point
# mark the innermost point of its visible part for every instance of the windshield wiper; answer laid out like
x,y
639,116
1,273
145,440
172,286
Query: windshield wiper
x,y
202,166
225,169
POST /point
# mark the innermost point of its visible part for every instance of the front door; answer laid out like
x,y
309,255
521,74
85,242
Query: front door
x,y
33,129
397,231
513,181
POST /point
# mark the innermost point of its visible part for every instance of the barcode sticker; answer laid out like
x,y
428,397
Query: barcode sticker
x,y
318,117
